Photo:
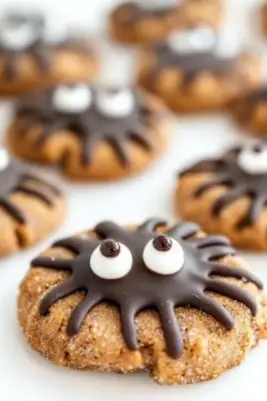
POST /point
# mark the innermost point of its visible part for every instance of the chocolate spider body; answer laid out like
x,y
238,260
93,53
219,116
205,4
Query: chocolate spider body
x,y
191,64
90,125
141,288
16,179
227,172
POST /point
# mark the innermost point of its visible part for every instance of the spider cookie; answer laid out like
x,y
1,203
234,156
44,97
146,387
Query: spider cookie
x,y
152,297
228,195
94,133
190,74
250,112
151,21
30,207
35,53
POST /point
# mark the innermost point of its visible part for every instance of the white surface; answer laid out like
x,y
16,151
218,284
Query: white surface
x,y
25,376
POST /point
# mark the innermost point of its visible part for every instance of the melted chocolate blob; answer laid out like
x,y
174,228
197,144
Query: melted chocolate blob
x,y
239,183
141,288
90,126
191,64
162,243
110,248
16,179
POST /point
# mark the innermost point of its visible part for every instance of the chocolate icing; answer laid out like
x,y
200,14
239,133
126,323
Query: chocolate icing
x,y
16,179
41,52
226,171
191,64
142,288
132,13
90,126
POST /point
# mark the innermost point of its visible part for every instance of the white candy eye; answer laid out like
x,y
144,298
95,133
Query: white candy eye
x,y
4,159
72,99
163,255
199,39
111,260
54,32
115,103
17,37
159,4
253,159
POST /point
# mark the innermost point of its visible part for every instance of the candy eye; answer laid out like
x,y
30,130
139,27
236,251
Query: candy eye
x,y
163,255
253,159
54,32
72,99
17,35
111,260
4,159
115,103
159,4
199,39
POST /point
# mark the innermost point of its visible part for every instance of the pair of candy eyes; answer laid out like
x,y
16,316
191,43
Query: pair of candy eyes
x,y
113,260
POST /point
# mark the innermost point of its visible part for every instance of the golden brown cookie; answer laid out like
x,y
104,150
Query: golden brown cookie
x,y
35,54
190,75
263,18
30,207
94,133
228,195
170,300
151,21
250,112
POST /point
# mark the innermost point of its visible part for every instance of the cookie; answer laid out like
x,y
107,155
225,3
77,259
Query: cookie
x,y
250,112
30,207
93,133
228,195
170,300
190,74
35,54
151,21
263,18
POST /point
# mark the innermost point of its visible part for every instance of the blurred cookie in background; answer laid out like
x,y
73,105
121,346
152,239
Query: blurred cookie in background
x,y
30,206
194,70
92,132
150,21
250,112
36,53
263,18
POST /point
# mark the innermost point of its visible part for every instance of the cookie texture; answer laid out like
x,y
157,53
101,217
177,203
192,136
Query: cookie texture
x,y
170,300
93,133
189,74
149,22
263,18
228,195
250,112
36,55
30,207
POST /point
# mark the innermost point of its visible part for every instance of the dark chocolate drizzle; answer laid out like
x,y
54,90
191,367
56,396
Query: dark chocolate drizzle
x,y
226,171
191,64
132,13
90,126
41,52
142,288
16,178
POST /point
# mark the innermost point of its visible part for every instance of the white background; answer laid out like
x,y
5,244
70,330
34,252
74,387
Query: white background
x,y
25,376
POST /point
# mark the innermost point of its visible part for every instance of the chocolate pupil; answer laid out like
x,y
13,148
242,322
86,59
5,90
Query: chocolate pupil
x,y
162,243
110,248
258,148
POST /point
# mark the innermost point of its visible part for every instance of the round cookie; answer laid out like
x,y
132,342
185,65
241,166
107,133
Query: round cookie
x,y
151,21
94,133
263,18
35,54
250,112
228,195
30,207
190,74
169,300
